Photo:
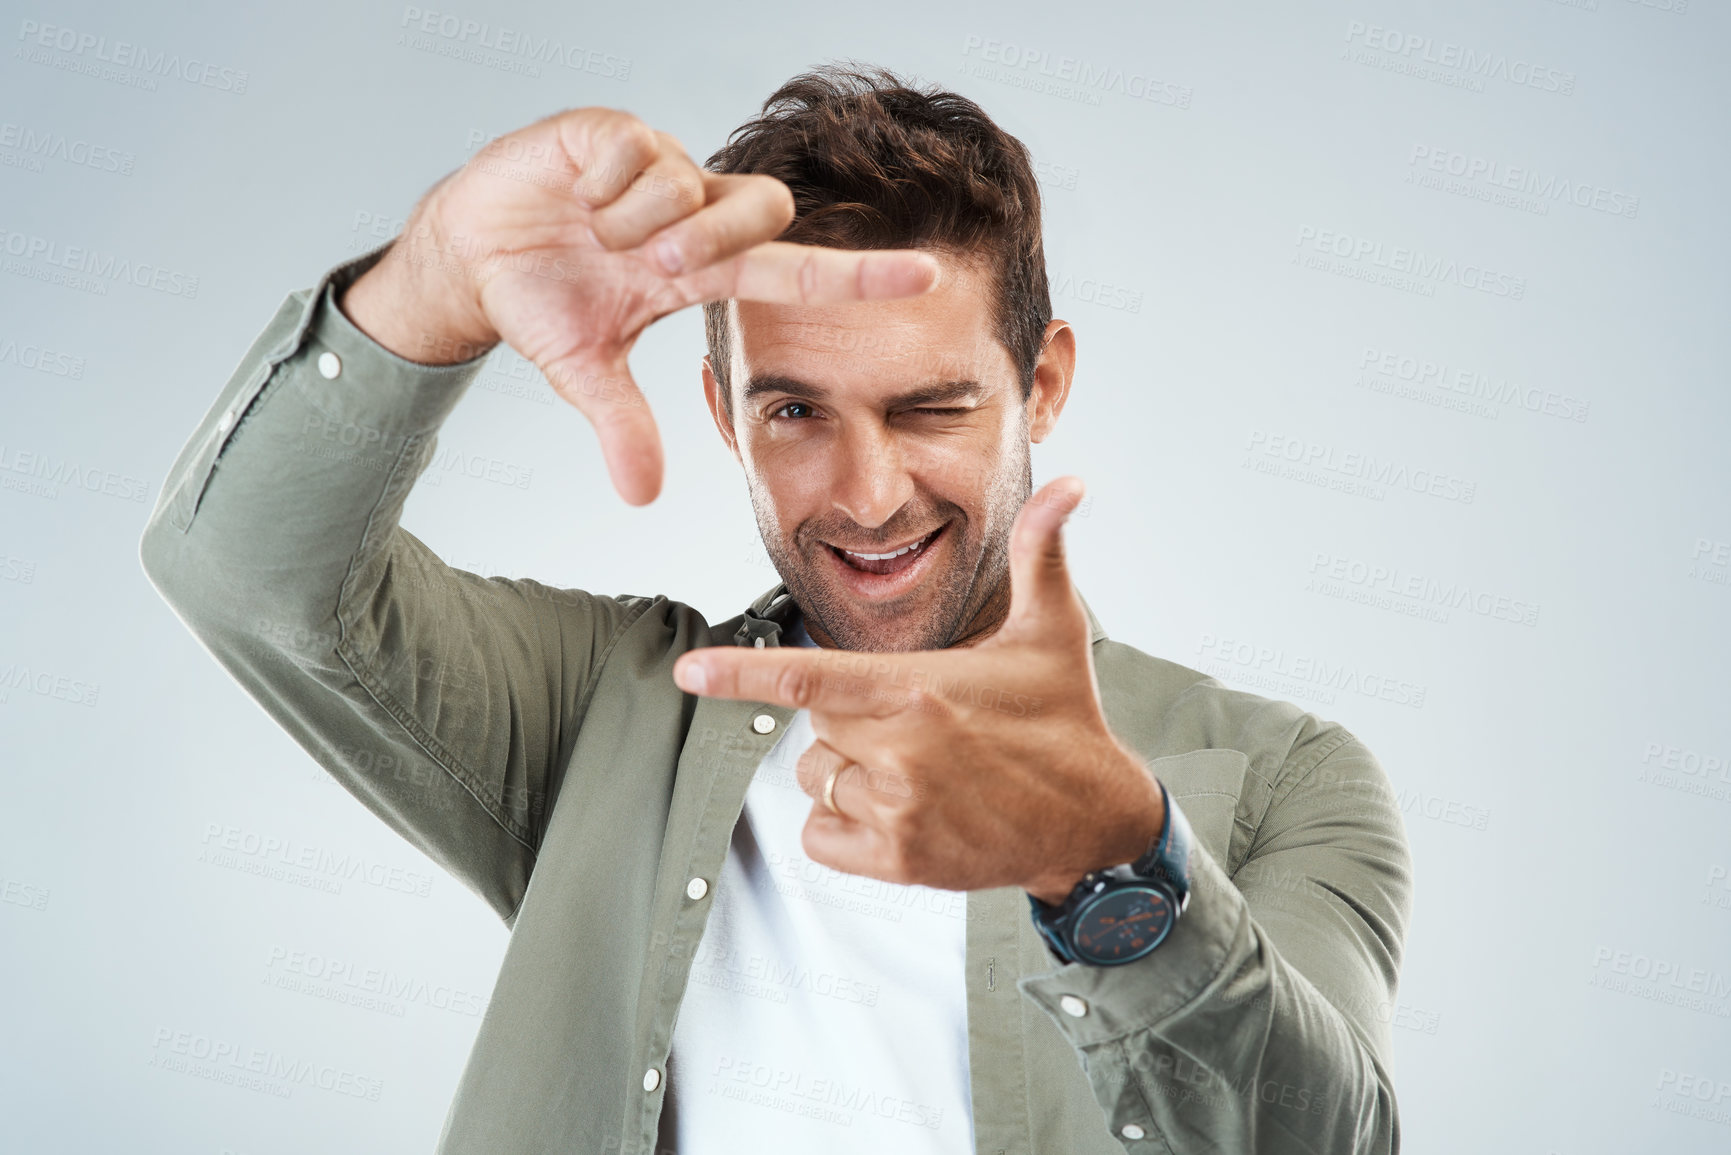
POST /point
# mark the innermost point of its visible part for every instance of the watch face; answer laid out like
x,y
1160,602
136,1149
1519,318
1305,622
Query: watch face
x,y
1122,925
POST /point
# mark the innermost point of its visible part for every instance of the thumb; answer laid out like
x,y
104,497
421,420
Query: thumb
x,y
1041,596
609,397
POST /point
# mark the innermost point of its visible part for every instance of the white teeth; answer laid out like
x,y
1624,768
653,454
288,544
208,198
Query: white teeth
x,y
886,556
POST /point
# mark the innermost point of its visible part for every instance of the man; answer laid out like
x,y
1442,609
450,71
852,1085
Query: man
x,y
898,858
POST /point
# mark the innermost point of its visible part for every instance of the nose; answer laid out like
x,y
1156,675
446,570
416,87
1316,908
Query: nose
x,y
870,480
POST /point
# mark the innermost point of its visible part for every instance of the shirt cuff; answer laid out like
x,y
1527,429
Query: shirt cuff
x,y
357,381
365,399
1097,1004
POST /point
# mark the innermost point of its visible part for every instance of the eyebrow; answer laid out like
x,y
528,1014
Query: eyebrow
x,y
935,393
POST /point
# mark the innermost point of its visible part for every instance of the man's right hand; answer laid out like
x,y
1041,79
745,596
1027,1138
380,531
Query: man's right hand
x,y
567,238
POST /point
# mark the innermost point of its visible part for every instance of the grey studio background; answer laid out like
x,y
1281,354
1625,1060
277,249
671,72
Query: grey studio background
x,y
1402,395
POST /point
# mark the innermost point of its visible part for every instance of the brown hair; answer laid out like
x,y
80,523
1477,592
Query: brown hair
x,y
875,163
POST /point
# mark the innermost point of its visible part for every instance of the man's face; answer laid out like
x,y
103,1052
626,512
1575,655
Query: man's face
x,y
886,428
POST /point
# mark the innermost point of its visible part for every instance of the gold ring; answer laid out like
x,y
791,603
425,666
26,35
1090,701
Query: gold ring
x,y
829,790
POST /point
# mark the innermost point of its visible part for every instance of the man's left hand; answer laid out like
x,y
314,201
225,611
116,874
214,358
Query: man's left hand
x,y
967,768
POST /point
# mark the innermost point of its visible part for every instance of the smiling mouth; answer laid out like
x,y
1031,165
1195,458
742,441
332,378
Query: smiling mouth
x,y
887,561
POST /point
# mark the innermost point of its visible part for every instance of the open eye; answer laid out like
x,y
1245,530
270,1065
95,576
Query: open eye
x,y
793,405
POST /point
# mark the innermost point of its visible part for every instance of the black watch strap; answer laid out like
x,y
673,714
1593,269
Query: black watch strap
x,y
1166,862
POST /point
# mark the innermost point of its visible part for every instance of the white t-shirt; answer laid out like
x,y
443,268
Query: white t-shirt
x,y
826,1012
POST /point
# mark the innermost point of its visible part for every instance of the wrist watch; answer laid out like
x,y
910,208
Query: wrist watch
x,y
1120,914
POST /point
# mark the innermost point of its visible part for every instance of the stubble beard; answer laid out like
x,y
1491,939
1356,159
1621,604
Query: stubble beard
x,y
980,572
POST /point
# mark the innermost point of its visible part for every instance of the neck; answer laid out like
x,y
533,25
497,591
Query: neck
x,y
981,625
993,612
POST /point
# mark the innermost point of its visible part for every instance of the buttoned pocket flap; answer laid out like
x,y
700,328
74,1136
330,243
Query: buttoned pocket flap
x,y
1207,784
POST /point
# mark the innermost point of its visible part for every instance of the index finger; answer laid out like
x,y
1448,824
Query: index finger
x,y
783,273
830,681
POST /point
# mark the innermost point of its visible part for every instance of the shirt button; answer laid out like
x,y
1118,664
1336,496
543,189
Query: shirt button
x,y
1131,1131
696,888
763,723
223,422
329,366
651,1079
1073,1006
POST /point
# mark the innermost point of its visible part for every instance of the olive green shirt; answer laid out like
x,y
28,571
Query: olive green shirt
x,y
532,742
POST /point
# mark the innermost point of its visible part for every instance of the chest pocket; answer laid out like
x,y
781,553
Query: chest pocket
x,y
1209,785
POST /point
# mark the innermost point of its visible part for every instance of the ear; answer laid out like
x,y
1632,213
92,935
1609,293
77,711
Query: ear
x,y
712,396
1052,375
